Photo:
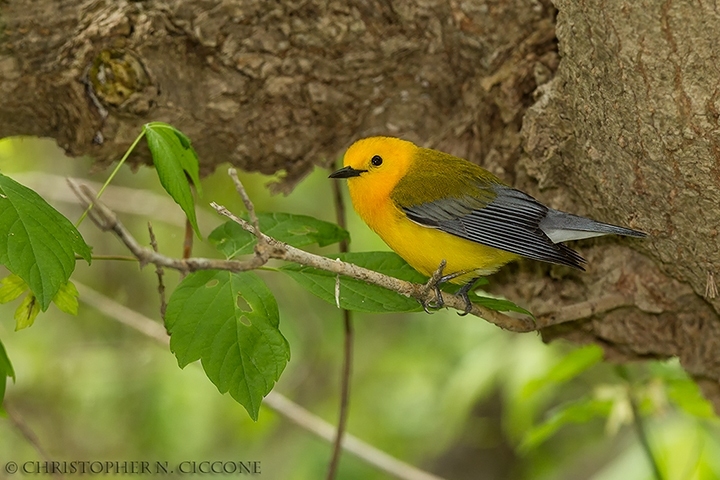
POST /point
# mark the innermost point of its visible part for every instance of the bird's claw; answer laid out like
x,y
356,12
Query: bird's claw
x,y
468,304
437,304
463,293
434,283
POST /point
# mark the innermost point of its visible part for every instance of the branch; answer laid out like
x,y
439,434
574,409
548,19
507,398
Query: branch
x,y
159,272
408,289
275,401
106,220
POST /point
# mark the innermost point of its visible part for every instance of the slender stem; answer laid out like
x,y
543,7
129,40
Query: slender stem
x,y
159,272
112,175
122,258
189,232
340,213
639,423
248,203
18,422
347,349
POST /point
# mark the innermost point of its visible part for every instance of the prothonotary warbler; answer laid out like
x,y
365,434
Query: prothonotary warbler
x,y
430,206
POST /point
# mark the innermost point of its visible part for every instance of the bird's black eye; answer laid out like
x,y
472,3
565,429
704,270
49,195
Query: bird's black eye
x,y
376,160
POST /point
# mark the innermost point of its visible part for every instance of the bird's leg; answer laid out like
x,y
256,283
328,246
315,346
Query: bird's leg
x,y
463,293
441,280
434,283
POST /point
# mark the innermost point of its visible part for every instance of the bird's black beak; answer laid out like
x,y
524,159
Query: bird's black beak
x,y
346,172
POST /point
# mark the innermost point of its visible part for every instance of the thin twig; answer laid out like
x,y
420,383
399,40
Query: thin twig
x,y
26,432
340,213
122,258
248,203
106,220
160,273
347,350
275,401
261,247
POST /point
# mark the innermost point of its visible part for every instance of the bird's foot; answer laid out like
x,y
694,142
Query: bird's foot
x,y
438,279
463,293
433,284
439,301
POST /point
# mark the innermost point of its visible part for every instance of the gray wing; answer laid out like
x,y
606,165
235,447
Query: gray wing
x,y
510,222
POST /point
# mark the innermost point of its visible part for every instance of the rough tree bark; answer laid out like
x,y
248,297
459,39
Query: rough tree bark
x,y
621,126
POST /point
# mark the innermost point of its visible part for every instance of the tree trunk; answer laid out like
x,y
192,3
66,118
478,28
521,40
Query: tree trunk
x,y
622,126
628,131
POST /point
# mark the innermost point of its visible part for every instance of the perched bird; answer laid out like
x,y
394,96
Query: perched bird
x,y
430,206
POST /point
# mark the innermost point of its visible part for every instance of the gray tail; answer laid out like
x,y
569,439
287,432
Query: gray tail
x,y
561,227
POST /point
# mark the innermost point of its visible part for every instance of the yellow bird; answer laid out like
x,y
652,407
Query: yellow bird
x,y
430,206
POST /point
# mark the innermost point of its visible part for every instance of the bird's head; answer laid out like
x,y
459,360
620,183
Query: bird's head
x,y
377,163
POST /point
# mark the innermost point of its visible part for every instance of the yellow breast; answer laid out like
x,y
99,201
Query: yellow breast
x,y
423,247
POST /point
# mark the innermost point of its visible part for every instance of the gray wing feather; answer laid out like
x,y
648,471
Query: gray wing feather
x,y
561,227
511,222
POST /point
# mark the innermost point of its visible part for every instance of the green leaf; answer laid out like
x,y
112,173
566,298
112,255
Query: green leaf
x,y
176,161
37,243
355,294
681,389
11,287
6,370
296,230
27,312
581,411
569,367
229,321
67,298
497,304
686,395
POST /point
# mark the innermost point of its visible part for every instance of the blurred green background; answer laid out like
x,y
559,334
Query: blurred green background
x,y
452,395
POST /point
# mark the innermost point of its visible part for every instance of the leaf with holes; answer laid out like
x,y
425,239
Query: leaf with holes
x,y
296,230
229,321
37,243
177,165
